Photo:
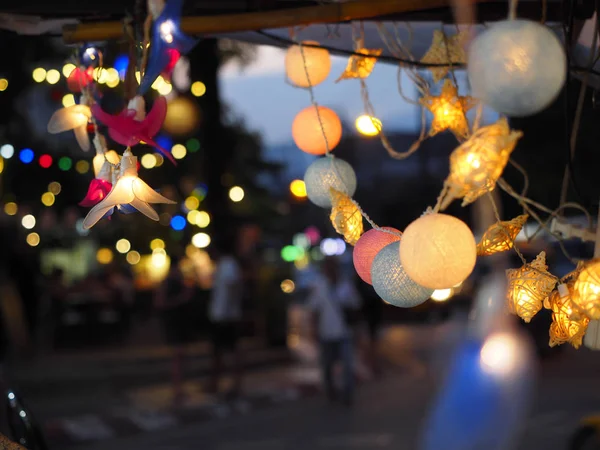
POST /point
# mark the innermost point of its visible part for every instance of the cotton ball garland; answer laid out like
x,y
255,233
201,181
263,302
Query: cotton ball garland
x,y
517,67
315,133
392,283
299,61
438,251
326,173
367,247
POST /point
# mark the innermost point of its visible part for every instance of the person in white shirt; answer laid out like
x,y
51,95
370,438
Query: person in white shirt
x,y
225,314
334,301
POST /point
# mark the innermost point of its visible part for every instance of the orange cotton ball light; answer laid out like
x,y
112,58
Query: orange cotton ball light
x,y
300,61
369,244
308,133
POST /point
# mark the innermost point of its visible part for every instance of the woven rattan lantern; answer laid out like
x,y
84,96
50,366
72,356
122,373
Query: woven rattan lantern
x,y
528,287
500,237
369,244
312,60
360,66
586,290
449,111
477,163
568,325
345,217
444,50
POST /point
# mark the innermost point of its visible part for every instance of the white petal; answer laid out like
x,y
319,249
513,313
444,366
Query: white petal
x,y
120,194
146,194
69,118
144,208
83,137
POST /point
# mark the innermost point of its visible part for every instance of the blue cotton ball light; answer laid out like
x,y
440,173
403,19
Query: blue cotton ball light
x,y
517,67
392,283
326,173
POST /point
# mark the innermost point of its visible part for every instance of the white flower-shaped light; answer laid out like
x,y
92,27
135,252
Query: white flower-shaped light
x,y
74,118
128,189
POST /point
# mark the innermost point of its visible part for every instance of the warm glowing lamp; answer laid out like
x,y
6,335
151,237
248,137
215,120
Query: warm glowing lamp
x,y
445,50
360,66
438,251
74,118
586,290
528,287
368,125
501,236
298,189
326,173
568,325
345,217
517,67
307,60
314,132
369,244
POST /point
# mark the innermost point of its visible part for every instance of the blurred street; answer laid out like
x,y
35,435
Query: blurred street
x,y
282,407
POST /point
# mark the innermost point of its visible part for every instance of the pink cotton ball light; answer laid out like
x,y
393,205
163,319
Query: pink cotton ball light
x,y
369,244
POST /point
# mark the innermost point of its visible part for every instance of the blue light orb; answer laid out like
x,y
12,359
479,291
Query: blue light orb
x,y
26,155
121,64
178,223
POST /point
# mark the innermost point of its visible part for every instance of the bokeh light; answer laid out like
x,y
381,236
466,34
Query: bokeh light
x,y
193,145
68,100
123,245
65,163
52,76
192,203
198,89
133,257
236,194
39,74
148,161
33,239
3,84
104,255
11,208
54,187
26,155
28,222
192,216
203,219
7,151
178,223
48,199
291,253
288,286
441,295
67,69
178,151
368,125
298,188
156,244
183,116
165,89
45,161
201,240
82,166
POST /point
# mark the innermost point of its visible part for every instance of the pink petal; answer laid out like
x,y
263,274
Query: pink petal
x,y
155,118
97,191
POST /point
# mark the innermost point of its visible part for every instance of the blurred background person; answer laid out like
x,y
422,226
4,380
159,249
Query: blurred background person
x,y
225,314
172,300
335,303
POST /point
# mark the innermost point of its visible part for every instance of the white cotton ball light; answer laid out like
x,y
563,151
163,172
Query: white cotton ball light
x,y
300,61
326,173
438,251
517,67
391,282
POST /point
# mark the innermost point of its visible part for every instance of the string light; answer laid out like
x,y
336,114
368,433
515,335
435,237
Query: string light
x,y
148,161
28,221
316,132
67,69
567,324
45,161
11,208
39,74
192,216
33,239
123,245
7,151
191,203
298,189
104,255
165,89
203,219
133,257
500,236
368,125
52,76
156,244
236,194
345,217
288,286
82,166
178,151
586,290
26,155
360,66
449,111
54,187
3,84
201,240
307,66
198,89
48,199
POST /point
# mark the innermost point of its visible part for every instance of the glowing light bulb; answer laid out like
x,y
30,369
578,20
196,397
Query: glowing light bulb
x,y
166,31
500,354
441,295
367,125
68,100
298,188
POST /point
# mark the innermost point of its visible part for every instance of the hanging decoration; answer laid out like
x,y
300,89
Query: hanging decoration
x,y
517,67
501,236
97,191
391,282
586,290
445,50
166,37
568,325
449,111
438,251
360,66
79,79
369,244
317,130
345,217
307,65
74,118
528,286
477,163
129,189
326,173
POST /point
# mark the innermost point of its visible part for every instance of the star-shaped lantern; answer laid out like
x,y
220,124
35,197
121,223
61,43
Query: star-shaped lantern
x,y
568,324
345,216
477,163
133,125
445,50
74,118
449,111
128,190
166,36
500,237
360,66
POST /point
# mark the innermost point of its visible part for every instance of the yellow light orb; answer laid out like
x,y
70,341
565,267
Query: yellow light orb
x,y
52,76
48,198
138,76
441,295
298,188
438,251
112,157
33,239
123,245
203,219
133,257
3,84
192,202
367,125
159,159
165,89
586,290
28,221
68,100
104,255
300,61
156,244
288,286
179,151
11,208
201,240
112,75
148,161
183,116
39,75
82,166
55,187
113,83
198,89
158,83
67,69
1,164
308,133
236,194
192,216
100,75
